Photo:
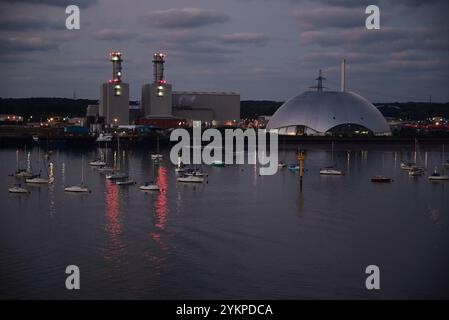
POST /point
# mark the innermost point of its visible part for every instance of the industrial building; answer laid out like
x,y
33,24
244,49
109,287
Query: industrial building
x,y
323,112
114,102
160,104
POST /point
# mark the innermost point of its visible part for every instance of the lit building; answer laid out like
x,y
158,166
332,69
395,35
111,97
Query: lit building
x,y
161,104
114,103
328,113
157,96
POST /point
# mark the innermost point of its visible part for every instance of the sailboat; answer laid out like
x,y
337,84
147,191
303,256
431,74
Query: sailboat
x,y
184,178
412,165
330,170
150,186
24,173
81,187
116,175
18,189
99,162
38,179
105,168
157,155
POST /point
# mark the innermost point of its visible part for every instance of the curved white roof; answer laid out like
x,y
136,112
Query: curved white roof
x,y
323,110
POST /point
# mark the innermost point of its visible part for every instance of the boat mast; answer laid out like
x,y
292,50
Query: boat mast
x,y
82,169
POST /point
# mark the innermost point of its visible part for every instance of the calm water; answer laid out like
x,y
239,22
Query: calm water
x,y
241,235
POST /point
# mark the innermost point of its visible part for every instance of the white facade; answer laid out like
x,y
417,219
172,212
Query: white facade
x,y
320,111
113,107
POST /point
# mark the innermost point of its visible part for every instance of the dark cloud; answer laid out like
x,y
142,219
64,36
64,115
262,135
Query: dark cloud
x,y
184,18
57,3
365,3
26,44
384,40
29,22
114,34
244,38
330,17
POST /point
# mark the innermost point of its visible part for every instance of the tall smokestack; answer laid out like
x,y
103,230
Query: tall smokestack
x,y
116,59
343,75
158,67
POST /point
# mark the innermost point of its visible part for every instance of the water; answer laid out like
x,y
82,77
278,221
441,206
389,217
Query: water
x,y
240,236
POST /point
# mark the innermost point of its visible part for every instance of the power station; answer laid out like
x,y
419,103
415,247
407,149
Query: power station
x,y
160,105
114,102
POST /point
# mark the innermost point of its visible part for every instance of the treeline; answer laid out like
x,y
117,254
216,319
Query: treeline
x,y
42,108
250,109
414,110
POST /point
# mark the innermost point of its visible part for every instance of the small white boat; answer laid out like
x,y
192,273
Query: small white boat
x,y
194,172
97,163
407,165
126,182
282,164
39,180
194,179
156,157
116,176
24,174
217,163
18,189
78,188
331,172
149,186
381,179
104,138
416,171
437,176
81,187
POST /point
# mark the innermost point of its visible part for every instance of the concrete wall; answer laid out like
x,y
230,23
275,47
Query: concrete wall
x,y
204,115
114,107
154,105
221,106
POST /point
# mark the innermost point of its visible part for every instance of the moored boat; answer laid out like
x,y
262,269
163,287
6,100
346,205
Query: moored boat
x,y
416,171
330,171
126,182
407,165
437,176
194,179
18,189
149,186
381,179
116,176
217,163
97,163
39,180
78,188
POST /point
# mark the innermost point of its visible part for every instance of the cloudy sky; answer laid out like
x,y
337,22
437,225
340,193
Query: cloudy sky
x,y
260,48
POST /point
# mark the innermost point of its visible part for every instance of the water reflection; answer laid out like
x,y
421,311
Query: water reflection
x,y
113,225
51,189
160,205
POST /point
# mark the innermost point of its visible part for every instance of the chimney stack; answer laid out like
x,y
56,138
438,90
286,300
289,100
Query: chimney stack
x,y
343,75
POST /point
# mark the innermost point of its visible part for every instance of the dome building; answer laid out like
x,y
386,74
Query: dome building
x,y
322,113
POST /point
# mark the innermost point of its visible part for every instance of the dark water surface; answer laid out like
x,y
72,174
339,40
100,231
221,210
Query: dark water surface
x,y
241,235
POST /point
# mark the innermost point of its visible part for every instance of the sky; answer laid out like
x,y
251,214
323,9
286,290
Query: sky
x,y
262,49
